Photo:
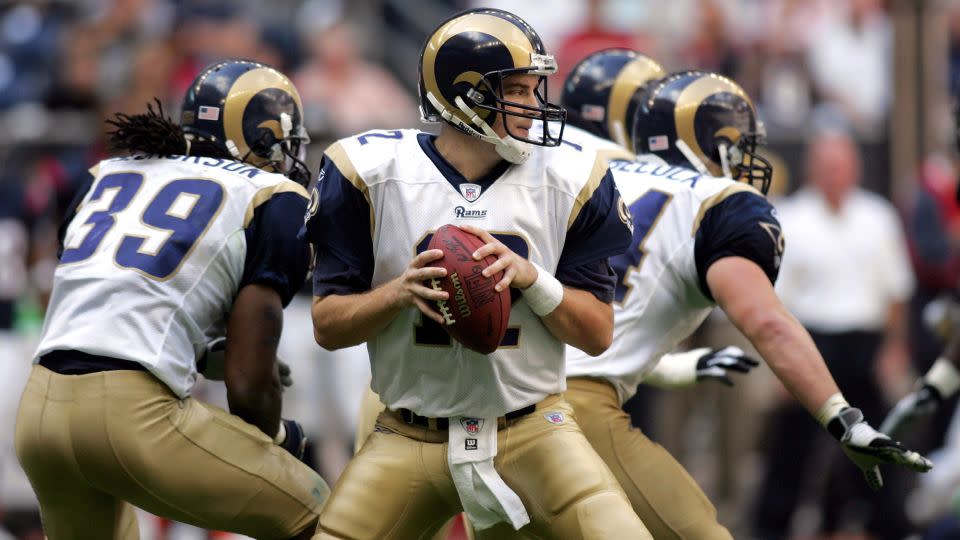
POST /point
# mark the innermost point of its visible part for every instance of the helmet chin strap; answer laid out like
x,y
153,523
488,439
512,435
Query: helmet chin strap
x,y
724,161
507,147
692,157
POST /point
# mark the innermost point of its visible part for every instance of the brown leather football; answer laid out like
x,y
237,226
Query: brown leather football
x,y
476,314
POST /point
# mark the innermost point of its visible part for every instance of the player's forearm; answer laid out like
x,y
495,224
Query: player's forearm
x,y
250,370
746,295
952,351
345,320
582,321
895,330
790,352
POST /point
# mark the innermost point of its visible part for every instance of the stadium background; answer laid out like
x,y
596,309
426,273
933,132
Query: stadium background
x,y
883,71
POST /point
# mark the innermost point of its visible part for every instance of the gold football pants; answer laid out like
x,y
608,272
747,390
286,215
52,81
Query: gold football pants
x,y
670,503
94,444
399,485
666,498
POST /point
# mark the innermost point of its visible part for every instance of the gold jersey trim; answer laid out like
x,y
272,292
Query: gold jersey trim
x,y
338,154
717,198
600,167
265,194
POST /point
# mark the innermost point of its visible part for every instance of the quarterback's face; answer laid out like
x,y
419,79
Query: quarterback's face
x,y
519,89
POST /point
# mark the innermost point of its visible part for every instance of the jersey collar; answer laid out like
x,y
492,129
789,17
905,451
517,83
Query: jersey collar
x,y
451,174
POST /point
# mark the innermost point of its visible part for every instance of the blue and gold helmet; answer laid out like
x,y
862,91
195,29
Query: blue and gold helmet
x,y
703,120
250,112
462,66
602,92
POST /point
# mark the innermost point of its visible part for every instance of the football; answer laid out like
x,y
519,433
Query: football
x,y
475,314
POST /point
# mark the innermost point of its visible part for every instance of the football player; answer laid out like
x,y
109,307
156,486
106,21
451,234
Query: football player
x,y
701,239
489,434
601,95
940,383
189,237
942,380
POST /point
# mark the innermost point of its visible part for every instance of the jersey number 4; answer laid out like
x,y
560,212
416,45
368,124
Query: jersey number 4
x,y
177,217
646,212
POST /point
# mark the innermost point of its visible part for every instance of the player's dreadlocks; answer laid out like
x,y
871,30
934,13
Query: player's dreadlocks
x,y
156,134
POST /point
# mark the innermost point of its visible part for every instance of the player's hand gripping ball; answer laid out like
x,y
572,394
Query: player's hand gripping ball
x,y
475,314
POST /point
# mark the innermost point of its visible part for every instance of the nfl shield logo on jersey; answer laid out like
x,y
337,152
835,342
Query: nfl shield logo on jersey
x,y
554,417
471,192
472,425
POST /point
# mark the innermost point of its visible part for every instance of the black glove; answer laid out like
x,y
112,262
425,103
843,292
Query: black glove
x,y
295,440
286,380
715,365
867,447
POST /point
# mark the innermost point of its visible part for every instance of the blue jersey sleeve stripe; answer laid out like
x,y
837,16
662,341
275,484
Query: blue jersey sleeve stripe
x,y
338,155
597,174
267,193
719,197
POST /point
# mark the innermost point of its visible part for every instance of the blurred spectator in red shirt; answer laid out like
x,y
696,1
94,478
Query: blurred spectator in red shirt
x,y
591,37
933,225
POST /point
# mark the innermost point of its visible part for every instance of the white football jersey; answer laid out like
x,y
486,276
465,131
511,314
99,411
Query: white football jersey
x,y
153,258
529,207
661,297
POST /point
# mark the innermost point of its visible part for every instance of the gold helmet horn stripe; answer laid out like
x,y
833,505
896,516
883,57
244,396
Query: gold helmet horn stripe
x,y
634,74
689,101
729,132
508,33
244,88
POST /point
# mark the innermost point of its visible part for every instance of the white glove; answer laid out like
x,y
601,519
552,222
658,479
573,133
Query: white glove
x,y
868,448
675,370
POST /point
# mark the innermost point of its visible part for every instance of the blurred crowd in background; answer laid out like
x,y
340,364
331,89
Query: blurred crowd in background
x,y
852,92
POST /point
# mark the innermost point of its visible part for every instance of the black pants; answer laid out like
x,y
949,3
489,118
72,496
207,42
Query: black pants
x,y
801,456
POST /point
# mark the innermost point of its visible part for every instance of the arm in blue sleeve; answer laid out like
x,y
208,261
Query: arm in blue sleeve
x,y
338,226
600,231
742,225
597,278
276,255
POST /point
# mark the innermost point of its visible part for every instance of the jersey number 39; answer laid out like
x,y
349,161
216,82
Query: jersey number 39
x,y
176,218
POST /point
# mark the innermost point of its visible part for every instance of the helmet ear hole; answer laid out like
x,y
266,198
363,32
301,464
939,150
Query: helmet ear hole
x,y
263,145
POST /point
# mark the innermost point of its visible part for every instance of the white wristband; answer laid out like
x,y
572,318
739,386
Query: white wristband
x,y
281,435
830,408
943,376
545,294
